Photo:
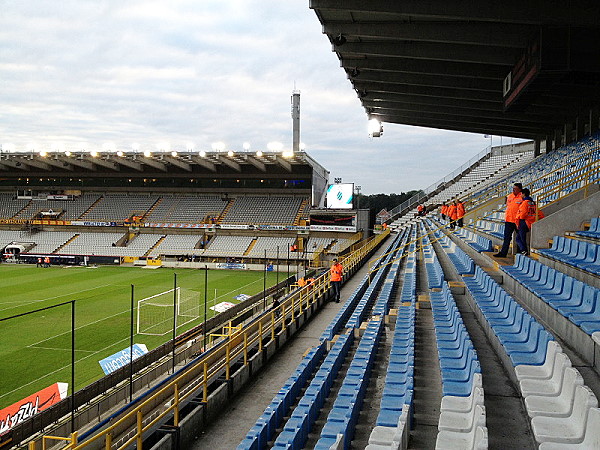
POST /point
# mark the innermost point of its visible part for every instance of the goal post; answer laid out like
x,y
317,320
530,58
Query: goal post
x,y
155,313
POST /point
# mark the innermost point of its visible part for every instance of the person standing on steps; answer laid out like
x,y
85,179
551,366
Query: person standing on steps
x,y
513,202
335,276
528,214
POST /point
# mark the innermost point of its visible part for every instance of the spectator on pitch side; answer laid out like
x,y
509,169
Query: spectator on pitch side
x,y
527,214
335,276
444,210
513,202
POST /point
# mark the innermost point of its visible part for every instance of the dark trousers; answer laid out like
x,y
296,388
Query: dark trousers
x,y
509,229
336,290
459,222
522,236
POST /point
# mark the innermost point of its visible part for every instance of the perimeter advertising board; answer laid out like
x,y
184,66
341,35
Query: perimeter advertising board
x,y
22,410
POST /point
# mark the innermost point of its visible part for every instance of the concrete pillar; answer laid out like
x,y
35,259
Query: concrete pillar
x,y
549,144
568,133
593,120
579,128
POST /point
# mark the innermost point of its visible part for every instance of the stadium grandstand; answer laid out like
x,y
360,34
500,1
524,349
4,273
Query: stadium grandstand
x,y
439,341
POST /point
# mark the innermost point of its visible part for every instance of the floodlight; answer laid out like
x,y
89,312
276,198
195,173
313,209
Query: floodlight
x,y
230,153
375,128
173,153
218,146
147,153
43,153
275,146
164,146
258,153
202,153
246,146
94,154
67,153
287,153
120,153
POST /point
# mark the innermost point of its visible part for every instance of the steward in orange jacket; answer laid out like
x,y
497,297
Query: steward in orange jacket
x,y
527,214
513,202
460,212
335,276
452,215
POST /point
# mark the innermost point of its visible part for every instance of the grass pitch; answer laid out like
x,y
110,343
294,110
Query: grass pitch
x,y
36,348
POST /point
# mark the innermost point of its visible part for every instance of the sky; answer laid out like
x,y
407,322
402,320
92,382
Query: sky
x,y
80,74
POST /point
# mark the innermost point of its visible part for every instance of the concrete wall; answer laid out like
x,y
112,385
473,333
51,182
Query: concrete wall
x,y
571,217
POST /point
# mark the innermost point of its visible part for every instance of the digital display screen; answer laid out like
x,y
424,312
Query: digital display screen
x,y
340,196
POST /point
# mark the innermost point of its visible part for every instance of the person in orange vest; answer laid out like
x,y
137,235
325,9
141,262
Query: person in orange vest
x,y
528,213
460,212
47,261
420,210
452,215
513,203
335,276
39,262
444,211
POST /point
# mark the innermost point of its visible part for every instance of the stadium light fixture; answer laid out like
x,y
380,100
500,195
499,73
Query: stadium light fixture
x,y
43,153
94,154
218,146
173,153
302,146
147,153
259,153
230,153
287,153
120,153
375,128
246,146
67,153
275,146
202,153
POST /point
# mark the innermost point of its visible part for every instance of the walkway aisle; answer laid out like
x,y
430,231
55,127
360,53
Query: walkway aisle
x,y
428,380
230,429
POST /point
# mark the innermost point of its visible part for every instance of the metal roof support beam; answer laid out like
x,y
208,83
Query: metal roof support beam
x,y
178,162
75,161
407,65
580,12
105,163
15,164
283,163
125,161
153,163
427,50
229,162
471,33
464,94
440,80
39,164
256,163
60,163
204,163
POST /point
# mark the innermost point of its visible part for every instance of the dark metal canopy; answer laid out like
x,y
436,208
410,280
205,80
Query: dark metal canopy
x,y
517,68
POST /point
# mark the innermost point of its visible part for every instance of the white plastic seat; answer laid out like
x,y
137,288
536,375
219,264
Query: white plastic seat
x,y
391,437
460,421
476,439
591,439
451,403
547,386
556,406
543,371
567,430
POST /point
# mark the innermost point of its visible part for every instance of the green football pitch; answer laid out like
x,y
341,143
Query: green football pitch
x,y
36,348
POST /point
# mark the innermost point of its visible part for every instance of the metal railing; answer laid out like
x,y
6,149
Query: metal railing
x,y
194,381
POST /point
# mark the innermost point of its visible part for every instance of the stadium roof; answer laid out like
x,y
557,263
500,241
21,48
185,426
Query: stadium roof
x,y
446,64
96,164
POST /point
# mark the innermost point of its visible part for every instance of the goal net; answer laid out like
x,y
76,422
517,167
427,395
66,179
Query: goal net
x,y
155,313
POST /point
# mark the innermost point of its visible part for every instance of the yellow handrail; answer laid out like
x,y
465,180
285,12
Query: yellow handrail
x,y
196,379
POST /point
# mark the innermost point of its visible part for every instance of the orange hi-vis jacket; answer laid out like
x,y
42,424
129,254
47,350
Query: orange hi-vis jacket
x,y
460,210
513,202
452,212
444,209
529,212
336,272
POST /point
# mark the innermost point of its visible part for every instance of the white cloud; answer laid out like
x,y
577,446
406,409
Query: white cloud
x,y
186,70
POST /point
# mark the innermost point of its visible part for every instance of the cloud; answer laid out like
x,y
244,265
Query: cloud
x,y
201,71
